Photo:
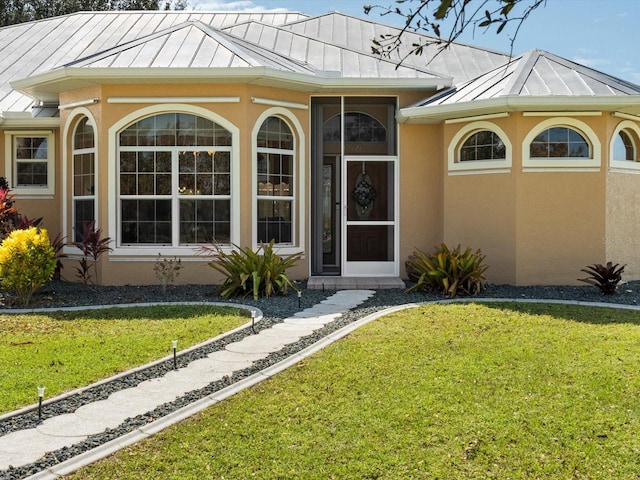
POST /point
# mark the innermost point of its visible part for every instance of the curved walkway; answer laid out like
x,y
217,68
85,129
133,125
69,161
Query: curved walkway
x,y
24,447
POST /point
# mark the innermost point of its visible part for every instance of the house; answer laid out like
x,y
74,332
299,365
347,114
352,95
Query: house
x,y
176,129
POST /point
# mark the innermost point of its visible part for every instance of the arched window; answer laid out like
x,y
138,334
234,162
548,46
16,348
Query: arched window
x,y
482,145
358,127
623,147
174,177
84,176
560,142
275,189
479,147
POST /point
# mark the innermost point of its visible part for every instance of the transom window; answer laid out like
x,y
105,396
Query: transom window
x,y
84,173
358,127
275,181
482,145
174,181
623,147
559,142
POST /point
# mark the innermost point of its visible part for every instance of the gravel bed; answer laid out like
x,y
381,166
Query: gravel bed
x,y
275,310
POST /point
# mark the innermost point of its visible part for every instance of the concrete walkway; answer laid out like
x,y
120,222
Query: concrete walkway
x,y
27,446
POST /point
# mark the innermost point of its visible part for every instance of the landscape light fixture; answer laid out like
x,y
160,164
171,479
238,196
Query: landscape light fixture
x,y
40,396
299,297
174,344
253,321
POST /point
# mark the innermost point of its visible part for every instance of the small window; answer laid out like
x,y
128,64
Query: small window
x,y
482,145
559,142
623,147
479,147
30,162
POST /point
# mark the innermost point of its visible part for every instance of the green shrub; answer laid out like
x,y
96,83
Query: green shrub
x,y
605,277
259,273
27,262
447,271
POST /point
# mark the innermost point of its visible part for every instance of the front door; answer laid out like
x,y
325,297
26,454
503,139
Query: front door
x,y
354,203
369,218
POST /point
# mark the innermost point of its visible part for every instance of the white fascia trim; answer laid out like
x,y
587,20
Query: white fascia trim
x,y
279,103
626,116
245,74
173,100
80,103
562,113
32,122
489,116
574,104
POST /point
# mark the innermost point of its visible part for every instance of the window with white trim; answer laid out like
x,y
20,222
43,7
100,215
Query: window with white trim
x,y
480,147
624,146
174,181
561,143
84,177
275,157
30,162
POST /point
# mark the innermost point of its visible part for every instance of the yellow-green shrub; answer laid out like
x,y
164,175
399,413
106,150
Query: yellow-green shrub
x,y
27,262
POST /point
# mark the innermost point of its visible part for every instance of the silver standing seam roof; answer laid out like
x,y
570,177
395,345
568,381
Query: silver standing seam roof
x,y
40,59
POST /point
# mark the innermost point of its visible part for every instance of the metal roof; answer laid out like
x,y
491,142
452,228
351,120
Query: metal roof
x,y
459,61
35,47
326,56
534,80
41,59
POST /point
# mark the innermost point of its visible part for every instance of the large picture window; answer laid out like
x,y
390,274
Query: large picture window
x,y
84,177
275,152
174,181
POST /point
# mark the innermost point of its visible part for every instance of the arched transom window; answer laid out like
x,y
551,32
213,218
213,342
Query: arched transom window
x,y
624,147
560,142
358,127
275,151
482,145
174,177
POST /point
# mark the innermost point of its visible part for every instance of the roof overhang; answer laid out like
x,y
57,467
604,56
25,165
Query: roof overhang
x,y
432,114
16,120
46,87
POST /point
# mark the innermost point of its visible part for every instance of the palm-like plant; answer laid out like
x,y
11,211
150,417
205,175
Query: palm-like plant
x,y
605,277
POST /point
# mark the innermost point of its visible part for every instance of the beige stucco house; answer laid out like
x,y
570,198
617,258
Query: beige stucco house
x,y
173,130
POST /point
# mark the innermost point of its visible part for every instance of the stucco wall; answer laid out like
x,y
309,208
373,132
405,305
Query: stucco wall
x,y
622,236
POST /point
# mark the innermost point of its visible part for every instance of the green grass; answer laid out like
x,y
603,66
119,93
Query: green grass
x,y
437,392
65,350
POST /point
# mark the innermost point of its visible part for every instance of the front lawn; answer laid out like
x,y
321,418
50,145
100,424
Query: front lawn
x,y
65,350
435,392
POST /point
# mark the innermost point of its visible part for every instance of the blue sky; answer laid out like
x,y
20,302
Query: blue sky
x,y
601,34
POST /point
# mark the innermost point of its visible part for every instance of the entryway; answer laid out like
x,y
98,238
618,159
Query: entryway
x,y
354,185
